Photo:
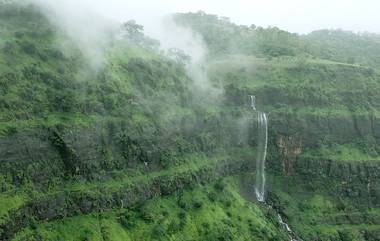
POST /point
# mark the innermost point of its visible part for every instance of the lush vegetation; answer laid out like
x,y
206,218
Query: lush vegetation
x,y
326,211
75,141
144,101
224,38
212,212
325,99
345,46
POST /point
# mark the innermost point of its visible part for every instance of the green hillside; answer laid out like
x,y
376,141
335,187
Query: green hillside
x,y
136,150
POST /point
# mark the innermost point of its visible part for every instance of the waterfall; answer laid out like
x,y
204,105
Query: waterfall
x,y
253,102
262,127
291,234
262,124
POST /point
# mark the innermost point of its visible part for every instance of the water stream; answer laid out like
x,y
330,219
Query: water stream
x,y
292,235
262,124
262,128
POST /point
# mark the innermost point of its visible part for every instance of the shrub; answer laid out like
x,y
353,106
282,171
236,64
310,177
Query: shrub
x,y
127,220
159,230
197,204
183,204
220,186
212,196
182,215
174,227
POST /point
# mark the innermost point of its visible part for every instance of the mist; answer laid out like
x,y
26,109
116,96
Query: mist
x,y
294,15
90,32
92,25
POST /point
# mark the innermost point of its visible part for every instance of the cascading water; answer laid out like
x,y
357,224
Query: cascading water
x,y
253,102
261,156
262,127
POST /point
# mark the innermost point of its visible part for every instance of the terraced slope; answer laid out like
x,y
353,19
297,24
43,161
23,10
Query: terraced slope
x,y
135,150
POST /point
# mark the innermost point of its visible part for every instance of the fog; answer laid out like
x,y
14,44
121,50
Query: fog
x,y
88,22
91,24
301,16
83,25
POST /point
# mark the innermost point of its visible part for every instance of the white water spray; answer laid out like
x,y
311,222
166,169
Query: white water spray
x,y
262,124
253,102
262,127
292,235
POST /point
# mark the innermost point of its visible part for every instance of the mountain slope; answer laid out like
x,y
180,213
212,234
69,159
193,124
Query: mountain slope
x,y
323,155
136,150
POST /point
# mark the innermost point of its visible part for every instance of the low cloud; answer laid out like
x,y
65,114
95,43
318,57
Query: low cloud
x,y
90,25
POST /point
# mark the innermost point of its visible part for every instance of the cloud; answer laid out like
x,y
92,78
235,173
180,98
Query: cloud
x,y
90,25
89,22
90,31
300,16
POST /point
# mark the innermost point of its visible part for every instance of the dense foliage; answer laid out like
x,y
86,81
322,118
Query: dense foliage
x,y
224,37
79,145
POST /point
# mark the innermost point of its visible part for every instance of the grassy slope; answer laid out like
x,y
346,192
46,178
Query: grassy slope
x,y
212,212
14,198
324,79
348,152
44,84
302,83
319,213
310,87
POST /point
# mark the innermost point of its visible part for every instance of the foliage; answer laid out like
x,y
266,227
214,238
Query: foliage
x,y
319,210
345,46
224,37
147,119
168,220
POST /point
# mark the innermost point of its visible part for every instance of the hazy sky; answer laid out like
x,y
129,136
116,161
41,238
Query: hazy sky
x,y
293,15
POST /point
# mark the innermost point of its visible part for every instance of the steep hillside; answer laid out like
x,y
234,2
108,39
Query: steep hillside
x,y
320,102
345,46
77,140
323,115
211,212
135,149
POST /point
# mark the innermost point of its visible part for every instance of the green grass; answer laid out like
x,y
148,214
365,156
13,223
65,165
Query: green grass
x,y
189,163
337,111
339,153
117,180
312,210
301,85
153,99
51,120
9,203
211,212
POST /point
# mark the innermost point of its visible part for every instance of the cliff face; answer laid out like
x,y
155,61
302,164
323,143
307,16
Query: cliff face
x,y
42,154
325,199
64,204
74,143
312,128
329,200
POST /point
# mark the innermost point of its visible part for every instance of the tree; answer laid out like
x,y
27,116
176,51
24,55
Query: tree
x,y
133,31
179,56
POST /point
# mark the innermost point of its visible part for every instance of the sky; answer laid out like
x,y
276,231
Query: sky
x,y
301,16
